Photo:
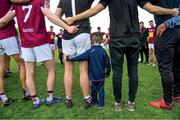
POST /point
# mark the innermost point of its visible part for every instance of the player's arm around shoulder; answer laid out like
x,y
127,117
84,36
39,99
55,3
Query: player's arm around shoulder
x,y
159,10
54,19
86,14
7,18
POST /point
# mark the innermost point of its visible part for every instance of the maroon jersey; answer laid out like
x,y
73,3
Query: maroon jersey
x,y
152,32
9,30
31,23
51,36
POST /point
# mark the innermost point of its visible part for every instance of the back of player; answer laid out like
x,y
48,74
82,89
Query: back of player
x,y
31,23
35,46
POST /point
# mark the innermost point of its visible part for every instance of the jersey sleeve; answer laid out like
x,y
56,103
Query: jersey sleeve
x,y
13,7
141,3
104,2
60,5
45,3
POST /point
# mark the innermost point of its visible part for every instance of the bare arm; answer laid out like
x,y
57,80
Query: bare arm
x,y
54,19
159,10
7,18
88,13
59,12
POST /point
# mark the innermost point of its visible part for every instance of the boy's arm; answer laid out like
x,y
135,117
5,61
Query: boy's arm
x,y
159,10
82,57
54,19
86,14
108,66
170,23
7,18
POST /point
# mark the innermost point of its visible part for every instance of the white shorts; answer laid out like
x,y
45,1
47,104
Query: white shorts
x,y
77,45
37,54
151,46
52,46
9,46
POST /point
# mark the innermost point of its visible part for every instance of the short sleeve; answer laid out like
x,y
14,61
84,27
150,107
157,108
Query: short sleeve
x,y
141,3
13,7
60,5
104,2
45,3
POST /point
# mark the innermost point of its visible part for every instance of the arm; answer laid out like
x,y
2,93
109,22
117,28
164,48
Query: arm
x,y
7,18
82,57
170,23
86,14
54,19
159,10
108,66
59,12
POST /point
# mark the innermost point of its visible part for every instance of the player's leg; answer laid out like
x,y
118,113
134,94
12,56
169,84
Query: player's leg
x,y
44,54
68,48
176,69
83,43
3,97
22,71
165,54
30,58
132,54
14,51
68,81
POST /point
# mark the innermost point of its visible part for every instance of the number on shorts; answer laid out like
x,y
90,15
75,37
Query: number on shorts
x,y
29,8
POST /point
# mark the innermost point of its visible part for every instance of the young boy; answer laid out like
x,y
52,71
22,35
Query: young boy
x,y
98,68
34,40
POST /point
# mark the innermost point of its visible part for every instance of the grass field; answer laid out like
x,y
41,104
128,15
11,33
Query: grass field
x,y
149,89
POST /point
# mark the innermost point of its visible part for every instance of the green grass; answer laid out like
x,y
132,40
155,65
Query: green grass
x,y
149,89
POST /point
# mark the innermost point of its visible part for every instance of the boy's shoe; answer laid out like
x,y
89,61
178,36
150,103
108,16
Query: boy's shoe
x,y
68,103
55,100
36,106
161,104
87,103
130,106
176,99
7,102
117,107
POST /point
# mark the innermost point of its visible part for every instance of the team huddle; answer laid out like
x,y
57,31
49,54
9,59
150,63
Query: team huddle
x,y
79,45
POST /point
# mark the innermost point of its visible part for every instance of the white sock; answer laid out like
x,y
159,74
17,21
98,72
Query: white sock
x,y
69,98
87,97
49,97
27,92
36,100
3,97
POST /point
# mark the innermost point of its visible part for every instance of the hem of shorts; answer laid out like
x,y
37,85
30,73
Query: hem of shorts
x,y
12,54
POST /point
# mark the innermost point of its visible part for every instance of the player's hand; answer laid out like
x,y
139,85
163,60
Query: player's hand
x,y
175,12
160,29
69,20
72,29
